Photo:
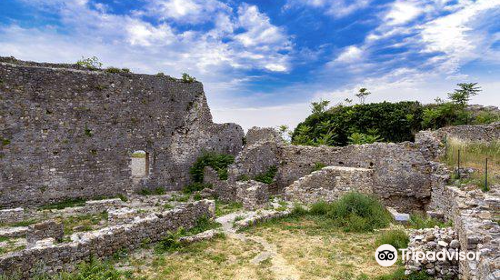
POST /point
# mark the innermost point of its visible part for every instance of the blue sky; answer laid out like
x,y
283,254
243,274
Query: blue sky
x,y
263,62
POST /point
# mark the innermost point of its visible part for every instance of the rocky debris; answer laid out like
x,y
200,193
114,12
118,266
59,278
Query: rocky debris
x,y
252,194
13,215
102,205
43,230
330,183
13,232
122,215
206,235
429,242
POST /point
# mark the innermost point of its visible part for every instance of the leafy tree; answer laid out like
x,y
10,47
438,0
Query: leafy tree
x,y
319,107
284,133
362,94
462,95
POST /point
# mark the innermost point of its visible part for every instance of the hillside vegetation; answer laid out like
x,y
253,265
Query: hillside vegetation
x,y
385,122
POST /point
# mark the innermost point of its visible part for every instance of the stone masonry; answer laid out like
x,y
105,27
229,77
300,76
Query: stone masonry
x,y
102,243
330,183
67,132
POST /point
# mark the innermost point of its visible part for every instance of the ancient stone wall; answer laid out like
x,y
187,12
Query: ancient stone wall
x,y
102,243
330,183
261,134
67,133
401,174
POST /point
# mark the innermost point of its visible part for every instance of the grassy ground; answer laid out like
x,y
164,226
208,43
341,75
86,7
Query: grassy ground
x,y
308,245
473,155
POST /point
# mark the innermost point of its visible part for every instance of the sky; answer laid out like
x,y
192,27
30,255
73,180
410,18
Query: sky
x,y
262,62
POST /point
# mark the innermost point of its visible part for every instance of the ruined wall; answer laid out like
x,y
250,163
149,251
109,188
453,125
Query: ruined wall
x,y
69,133
102,243
330,183
401,174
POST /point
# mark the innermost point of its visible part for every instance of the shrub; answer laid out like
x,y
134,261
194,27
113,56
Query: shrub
x,y
394,122
359,212
91,63
186,78
320,208
397,238
219,162
268,176
195,187
113,70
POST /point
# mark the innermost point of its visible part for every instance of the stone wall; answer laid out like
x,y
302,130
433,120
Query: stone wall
x,y
401,174
261,134
68,133
330,183
432,143
472,213
102,243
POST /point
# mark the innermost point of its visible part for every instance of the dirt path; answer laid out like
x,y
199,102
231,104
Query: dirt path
x,y
282,270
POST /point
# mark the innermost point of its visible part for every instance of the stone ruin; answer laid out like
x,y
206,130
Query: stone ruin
x,y
69,133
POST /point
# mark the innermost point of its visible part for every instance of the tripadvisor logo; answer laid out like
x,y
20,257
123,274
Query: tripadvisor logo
x,y
387,255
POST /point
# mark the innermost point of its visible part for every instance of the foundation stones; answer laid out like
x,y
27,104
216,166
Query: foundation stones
x,y
252,194
43,230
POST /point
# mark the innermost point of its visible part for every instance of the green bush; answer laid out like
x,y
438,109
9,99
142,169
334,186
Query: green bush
x,y
397,238
195,187
186,78
375,122
113,70
268,176
354,212
318,166
219,162
394,122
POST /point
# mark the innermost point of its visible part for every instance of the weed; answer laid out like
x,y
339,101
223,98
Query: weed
x,y
418,221
156,191
268,176
223,208
195,187
72,202
318,166
397,238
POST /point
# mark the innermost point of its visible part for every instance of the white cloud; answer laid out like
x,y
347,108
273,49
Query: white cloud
x,y
189,11
402,12
144,34
350,54
334,8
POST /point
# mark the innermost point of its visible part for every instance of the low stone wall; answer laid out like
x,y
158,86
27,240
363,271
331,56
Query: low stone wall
x,y
13,215
330,183
102,243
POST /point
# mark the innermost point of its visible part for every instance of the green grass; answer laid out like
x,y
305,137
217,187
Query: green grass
x,y
400,275
473,155
73,202
24,223
418,222
224,208
397,238
156,191
139,155
85,222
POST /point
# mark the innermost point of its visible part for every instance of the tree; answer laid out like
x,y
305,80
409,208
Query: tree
x,y
462,95
348,101
319,107
362,94
284,133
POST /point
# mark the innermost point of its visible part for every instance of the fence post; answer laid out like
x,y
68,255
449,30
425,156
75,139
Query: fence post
x,y
486,176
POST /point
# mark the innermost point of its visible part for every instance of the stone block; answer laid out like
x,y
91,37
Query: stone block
x,y
252,194
43,230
